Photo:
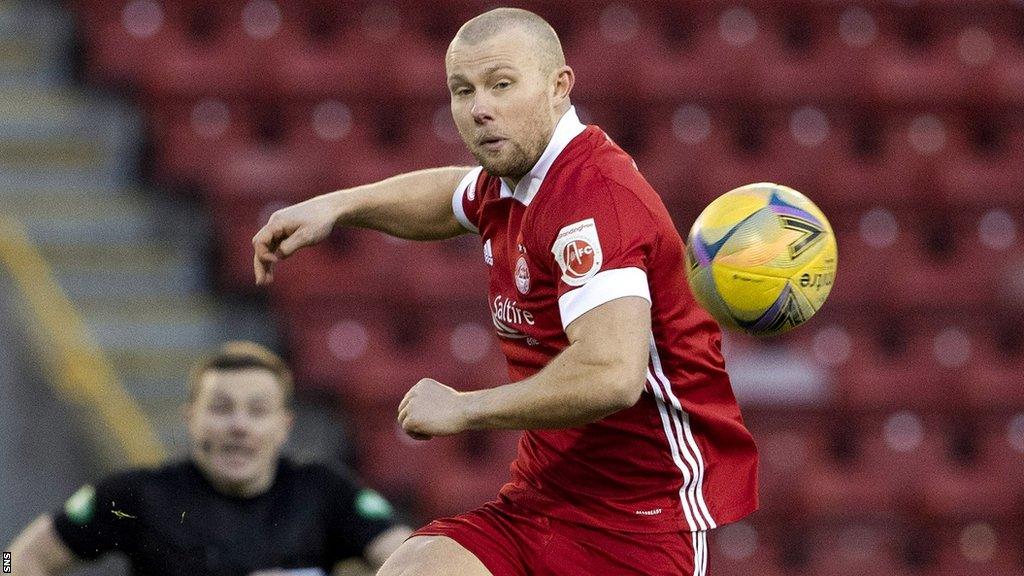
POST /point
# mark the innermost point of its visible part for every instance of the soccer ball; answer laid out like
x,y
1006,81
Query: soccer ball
x,y
761,259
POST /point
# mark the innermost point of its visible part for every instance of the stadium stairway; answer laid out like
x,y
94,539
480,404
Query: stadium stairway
x,y
131,261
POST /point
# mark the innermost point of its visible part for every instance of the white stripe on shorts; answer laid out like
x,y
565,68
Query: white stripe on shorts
x,y
700,553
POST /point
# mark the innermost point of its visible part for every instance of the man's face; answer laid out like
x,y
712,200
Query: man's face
x,y
503,103
238,423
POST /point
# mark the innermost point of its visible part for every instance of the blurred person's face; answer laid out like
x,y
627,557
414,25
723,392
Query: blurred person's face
x,y
238,424
504,101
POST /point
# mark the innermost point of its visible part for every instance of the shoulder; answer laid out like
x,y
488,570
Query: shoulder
x,y
600,170
604,186
316,475
487,187
139,478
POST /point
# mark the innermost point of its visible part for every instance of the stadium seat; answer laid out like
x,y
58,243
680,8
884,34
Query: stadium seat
x,y
803,60
192,136
762,561
848,548
992,379
461,484
390,459
980,547
259,174
971,495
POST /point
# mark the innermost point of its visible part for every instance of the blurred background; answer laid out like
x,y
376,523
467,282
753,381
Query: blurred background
x,y
142,144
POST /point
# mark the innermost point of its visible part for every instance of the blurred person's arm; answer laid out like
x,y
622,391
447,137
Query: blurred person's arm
x,y
416,205
39,551
381,547
602,371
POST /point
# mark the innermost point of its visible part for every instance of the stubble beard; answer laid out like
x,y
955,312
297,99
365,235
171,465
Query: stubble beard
x,y
514,163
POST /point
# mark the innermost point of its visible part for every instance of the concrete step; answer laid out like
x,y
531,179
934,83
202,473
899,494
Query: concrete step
x,y
38,117
151,307
20,57
140,275
130,284
56,178
59,205
124,226
49,152
182,333
130,273
78,195
34,40
77,205
158,364
148,255
101,219
42,22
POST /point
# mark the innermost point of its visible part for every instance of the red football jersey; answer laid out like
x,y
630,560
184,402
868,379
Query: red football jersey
x,y
581,229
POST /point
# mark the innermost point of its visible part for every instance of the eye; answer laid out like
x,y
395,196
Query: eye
x,y
503,84
462,91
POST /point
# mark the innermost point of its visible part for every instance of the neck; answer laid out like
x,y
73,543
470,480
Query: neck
x,y
249,489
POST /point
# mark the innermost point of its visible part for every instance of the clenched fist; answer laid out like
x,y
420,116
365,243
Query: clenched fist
x,y
432,409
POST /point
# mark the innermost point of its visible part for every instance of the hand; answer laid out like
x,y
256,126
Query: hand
x,y
432,409
289,229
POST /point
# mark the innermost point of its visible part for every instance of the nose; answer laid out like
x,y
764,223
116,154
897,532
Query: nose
x,y
481,111
239,423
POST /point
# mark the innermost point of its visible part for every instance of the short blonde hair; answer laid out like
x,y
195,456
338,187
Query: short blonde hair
x,y
242,355
547,46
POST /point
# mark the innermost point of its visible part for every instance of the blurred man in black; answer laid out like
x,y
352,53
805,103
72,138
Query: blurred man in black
x,y
236,508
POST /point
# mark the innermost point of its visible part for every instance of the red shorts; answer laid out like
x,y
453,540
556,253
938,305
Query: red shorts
x,y
512,542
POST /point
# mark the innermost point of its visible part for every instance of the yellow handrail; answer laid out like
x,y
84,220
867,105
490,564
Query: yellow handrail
x,y
80,371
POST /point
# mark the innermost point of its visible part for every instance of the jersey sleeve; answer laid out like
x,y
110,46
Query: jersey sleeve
x,y
97,519
360,516
466,201
601,240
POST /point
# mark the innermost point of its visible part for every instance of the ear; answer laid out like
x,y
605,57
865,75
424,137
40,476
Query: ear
x,y
565,79
289,423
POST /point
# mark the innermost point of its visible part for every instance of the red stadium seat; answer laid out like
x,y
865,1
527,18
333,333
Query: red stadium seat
x,y
803,60
992,377
978,178
124,38
229,67
971,494
850,548
980,547
462,483
192,136
913,63
373,355
390,459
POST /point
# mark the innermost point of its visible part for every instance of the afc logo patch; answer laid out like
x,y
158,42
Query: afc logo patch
x,y
522,275
577,250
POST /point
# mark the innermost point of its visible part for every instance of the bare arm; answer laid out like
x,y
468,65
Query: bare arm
x,y
416,205
381,547
601,372
39,551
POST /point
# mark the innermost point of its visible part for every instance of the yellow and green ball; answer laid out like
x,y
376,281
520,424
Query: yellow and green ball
x,y
761,259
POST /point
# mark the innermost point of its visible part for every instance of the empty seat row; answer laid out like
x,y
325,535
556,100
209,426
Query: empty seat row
x,y
713,54
690,157
898,547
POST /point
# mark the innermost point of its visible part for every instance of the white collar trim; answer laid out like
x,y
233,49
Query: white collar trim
x,y
568,127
